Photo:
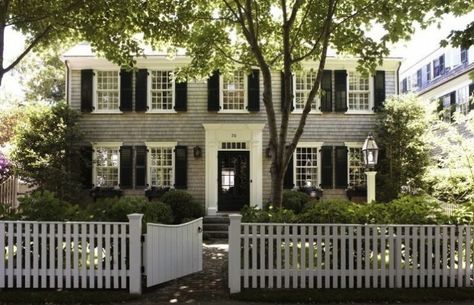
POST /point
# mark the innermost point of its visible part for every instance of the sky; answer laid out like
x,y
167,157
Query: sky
x,y
422,43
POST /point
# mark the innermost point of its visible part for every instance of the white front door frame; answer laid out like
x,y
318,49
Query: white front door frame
x,y
218,133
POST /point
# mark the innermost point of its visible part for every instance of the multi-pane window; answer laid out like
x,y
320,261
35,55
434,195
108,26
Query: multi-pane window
x,y
464,55
356,167
161,166
359,92
306,166
233,91
304,82
428,72
161,91
107,90
446,101
462,100
438,66
418,78
107,166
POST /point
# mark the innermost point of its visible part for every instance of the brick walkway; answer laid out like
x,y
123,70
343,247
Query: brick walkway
x,y
209,285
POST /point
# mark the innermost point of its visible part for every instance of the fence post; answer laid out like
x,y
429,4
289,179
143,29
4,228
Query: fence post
x,y
135,259
234,253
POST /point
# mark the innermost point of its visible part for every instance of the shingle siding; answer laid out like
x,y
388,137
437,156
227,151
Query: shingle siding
x,y
186,128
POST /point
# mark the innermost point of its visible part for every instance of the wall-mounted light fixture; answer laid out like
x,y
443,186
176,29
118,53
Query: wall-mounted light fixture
x,y
268,152
197,152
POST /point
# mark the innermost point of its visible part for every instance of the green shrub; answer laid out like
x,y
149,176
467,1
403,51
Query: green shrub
x,y
372,213
294,201
183,206
157,212
277,215
44,206
415,210
329,211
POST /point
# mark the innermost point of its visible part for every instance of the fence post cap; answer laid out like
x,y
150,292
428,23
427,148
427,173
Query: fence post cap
x,y
235,217
135,216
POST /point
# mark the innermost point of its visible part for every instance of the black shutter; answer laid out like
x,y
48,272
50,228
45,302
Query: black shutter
x,y
471,92
288,182
283,93
213,92
181,167
85,168
140,166
341,167
326,91
141,83
125,90
379,90
181,96
326,167
440,108
253,92
340,79
86,90
452,104
126,167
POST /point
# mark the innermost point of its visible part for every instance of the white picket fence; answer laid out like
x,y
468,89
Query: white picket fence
x,y
9,192
274,255
71,254
172,251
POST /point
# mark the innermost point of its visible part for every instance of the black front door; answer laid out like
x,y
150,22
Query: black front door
x,y
233,180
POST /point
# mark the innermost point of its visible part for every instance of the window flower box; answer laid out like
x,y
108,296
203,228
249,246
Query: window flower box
x,y
155,192
105,192
312,191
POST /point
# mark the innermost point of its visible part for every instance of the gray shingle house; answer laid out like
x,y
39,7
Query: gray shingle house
x,y
209,137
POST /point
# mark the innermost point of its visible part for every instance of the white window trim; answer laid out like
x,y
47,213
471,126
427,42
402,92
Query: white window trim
x,y
148,98
94,90
317,99
371,96
94,159
317,145
148,159
221,97
348,146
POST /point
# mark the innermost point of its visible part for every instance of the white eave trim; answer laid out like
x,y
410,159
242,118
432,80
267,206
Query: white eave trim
x,y
107,144
161,144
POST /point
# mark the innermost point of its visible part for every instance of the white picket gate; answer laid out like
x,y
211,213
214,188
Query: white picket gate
x,y
272,255
92,255
172,251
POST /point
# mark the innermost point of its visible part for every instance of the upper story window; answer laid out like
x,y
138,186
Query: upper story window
x,y
107,166
107,96
462,100
233,89
304,82
464,55
359,92
306,166
356,169
404,85
446,101
161,165
161,90
418,78
428,72
438,66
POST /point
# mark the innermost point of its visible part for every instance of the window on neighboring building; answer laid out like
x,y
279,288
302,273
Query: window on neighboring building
x,y
428,72
357,175
462,100
161,90
306,169
161,166
404,85
418,78
359,92
446,101
107,166
464,55
233,91
304,81
438,66
107,90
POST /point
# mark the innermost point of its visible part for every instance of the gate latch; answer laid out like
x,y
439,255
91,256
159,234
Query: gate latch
x,y
199,230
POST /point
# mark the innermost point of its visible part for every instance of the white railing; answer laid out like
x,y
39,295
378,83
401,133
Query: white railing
x,y
274,255
87,255
9,192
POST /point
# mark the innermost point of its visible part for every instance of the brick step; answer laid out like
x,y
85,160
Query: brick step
x,y
218,219
221,227
215,235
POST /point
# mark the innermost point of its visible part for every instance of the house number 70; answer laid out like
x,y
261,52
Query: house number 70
x,y
234,135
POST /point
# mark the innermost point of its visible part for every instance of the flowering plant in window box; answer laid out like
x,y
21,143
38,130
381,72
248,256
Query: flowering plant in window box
x,y
156,191
312,191
356,191
105,192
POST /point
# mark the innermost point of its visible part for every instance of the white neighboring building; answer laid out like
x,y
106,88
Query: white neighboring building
x,y
442,75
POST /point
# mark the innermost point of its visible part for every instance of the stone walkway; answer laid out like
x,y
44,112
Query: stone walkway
x,y
207,286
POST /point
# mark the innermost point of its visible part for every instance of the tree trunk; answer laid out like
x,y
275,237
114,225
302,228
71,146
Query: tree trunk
x,y
277,185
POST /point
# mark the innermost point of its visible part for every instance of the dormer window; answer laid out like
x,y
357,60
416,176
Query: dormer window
x,y
107,93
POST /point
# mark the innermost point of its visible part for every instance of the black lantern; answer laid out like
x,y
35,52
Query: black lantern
x,y
197,152
370,151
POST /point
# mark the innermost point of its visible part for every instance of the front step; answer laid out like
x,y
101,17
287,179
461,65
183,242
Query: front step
x,y
216,227
329,194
